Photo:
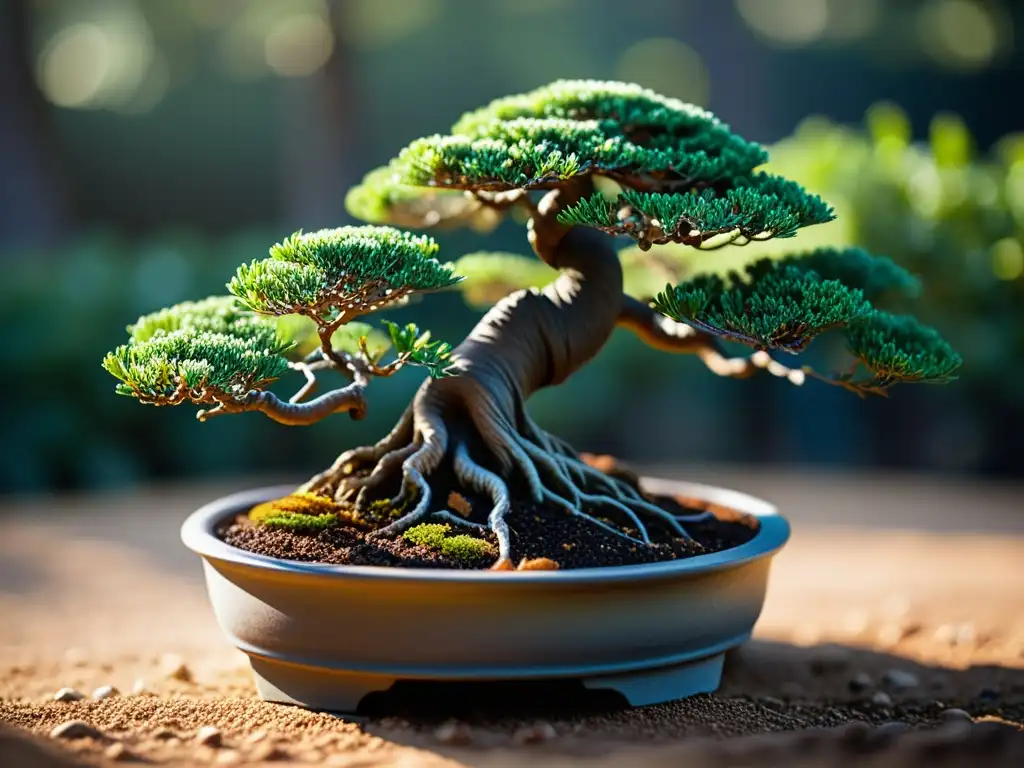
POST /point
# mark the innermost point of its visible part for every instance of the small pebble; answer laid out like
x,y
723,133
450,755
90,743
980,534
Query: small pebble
x,y
537,733
771,701
860,682
881,699
175,668
453,733
140,688
228,757
265,752
988,694
68,694
118,751
105,692
953,715
75,729
900,680
163,734
256,737
209,736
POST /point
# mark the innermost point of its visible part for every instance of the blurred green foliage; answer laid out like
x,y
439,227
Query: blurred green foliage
x,y
940,209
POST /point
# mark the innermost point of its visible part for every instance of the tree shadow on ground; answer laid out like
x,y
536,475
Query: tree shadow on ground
x,y
767,687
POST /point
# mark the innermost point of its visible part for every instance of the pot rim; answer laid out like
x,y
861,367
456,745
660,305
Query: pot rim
x,y
198,533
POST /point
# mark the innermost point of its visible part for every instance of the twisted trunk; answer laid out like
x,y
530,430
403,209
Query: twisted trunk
x,y
532,339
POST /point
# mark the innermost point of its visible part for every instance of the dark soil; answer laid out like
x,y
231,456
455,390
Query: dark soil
x,y
537,532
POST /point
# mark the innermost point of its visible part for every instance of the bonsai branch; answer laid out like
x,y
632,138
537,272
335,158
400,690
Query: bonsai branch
x,y
665,334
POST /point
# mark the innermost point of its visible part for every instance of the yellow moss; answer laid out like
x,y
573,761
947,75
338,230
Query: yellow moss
x,y
298,510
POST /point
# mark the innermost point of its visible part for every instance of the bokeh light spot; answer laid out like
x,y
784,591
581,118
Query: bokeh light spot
x,y
376,23
73,67
786,22
959,34
299,45
667,66
1008,259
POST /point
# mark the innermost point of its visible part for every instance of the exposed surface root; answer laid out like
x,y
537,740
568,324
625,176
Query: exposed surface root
x,y
448,444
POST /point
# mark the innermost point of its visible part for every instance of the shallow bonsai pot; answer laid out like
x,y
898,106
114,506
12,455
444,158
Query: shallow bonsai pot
x,y
323,636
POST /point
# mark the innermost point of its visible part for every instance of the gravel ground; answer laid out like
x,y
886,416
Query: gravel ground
x,y
893,635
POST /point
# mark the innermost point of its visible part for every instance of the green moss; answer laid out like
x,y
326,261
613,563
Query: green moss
x,y
298,511
296,521
428,535
460,547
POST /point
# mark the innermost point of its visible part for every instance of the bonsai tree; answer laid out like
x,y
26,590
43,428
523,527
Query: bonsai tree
x,y
577,161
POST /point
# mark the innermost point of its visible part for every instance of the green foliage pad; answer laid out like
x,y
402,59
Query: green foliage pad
x,y
773,306
341,272
756,208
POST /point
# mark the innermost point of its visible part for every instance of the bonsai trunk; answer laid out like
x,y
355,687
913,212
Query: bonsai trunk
x,y
472,429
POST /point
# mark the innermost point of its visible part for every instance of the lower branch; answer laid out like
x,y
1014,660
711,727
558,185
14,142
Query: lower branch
x,y
665,334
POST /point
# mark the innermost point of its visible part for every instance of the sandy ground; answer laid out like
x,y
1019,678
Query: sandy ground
x,y
896,601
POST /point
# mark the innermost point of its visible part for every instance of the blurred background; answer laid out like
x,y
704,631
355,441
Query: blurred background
x,y
148,148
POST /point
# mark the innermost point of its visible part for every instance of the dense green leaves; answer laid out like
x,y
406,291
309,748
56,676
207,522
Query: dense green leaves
x,y
216,314
528,153
347,271
897,348
876,276
776,306
644,117
198,365
759,207
785,303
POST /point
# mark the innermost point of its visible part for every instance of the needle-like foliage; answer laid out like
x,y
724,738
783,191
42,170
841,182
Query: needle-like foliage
x,y
347,272
876,276
198,366
216,314
897,348
759,207
644,117
534,153
773,306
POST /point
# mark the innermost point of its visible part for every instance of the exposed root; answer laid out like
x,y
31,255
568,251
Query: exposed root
x,y
483,480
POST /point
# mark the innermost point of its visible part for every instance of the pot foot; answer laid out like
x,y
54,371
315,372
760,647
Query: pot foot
x,y
656,686
314,688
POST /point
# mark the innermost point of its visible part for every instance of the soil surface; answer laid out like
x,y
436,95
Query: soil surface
x,y
893,635
537,532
